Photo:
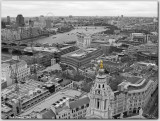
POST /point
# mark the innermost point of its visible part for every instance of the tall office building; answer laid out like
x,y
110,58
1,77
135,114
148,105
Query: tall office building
x,y
48,23
101,97
20,20
42,21
8,20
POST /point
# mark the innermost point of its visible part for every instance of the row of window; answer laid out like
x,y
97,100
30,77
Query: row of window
x,y
82,107
35,99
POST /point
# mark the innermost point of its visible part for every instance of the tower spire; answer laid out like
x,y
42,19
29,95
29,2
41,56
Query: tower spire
x,y
101,64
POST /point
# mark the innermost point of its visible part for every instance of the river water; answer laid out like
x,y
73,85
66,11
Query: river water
x,y
69,36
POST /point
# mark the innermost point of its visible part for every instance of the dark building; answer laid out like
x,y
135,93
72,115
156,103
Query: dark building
x,y
20,20
31,23
3,24
8,20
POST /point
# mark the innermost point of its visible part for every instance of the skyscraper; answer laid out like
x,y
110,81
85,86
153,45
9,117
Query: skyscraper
x,y
8,20
20,20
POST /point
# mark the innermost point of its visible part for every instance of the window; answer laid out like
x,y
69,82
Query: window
x,y
87,105
98,105
77,109
82,107
98,92
99,86
103,85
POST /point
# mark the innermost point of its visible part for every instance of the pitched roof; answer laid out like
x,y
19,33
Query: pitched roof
x,y
65,82
115,82
48,114
61,109
79,103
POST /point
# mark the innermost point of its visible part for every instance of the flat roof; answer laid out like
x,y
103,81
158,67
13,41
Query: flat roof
x,y
52,68
5,57
11,61
80,54
45,49
112,63
53,99
63,48
26,90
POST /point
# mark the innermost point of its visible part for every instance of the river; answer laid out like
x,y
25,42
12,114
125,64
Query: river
x,y
69,36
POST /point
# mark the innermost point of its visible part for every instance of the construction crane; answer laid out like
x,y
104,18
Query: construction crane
x,y
13,75
34,59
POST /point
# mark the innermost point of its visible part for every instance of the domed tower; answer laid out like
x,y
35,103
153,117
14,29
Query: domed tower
x,y
101,97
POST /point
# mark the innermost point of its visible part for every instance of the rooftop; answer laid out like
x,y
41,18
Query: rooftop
x,y
11,62
63,48
52,68
53,99
5,108
47,114
79,102
150,53
47,49
5,57
27,91
80,54
65,82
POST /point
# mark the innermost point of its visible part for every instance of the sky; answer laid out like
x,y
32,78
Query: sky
x,y
79,8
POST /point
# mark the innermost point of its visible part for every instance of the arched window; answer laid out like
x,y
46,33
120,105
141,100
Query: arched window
x,y
98,103
99,86
103,86
98,92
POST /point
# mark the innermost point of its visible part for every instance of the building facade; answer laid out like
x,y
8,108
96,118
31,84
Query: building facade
x,y
19,67
20,20
101,98
84,41
82,58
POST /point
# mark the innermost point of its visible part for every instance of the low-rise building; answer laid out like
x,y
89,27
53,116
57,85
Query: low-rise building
x,y
80,57
139,37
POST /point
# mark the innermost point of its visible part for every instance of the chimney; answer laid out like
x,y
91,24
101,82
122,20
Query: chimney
x,y
67,103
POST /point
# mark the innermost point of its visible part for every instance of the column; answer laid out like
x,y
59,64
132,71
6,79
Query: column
x,y
95,103
105,104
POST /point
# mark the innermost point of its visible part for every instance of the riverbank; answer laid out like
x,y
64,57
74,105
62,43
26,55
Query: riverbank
x,y
71,36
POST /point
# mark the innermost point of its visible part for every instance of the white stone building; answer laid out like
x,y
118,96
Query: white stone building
x,y
84,41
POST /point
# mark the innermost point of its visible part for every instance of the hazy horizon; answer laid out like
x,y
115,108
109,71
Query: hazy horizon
x,y
80,8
